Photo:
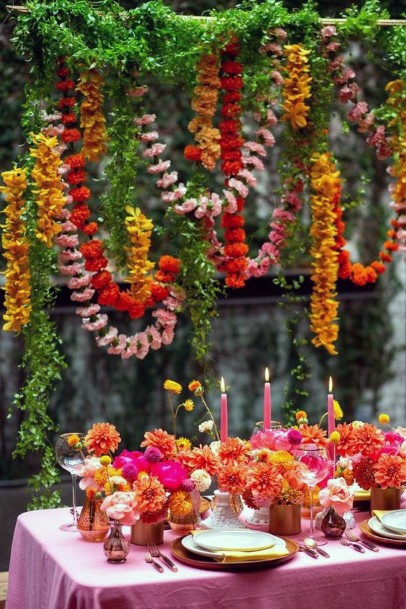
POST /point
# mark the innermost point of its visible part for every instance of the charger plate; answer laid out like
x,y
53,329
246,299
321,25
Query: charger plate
x,y
368,532
205,562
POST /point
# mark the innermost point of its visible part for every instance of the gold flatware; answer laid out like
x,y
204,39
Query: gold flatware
x,y
156,553
351,536
351,544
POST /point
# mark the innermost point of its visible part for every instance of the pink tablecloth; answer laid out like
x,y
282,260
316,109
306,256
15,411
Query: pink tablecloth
x,y
51,569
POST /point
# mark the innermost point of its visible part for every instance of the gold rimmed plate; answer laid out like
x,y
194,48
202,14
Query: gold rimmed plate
x,y
206,562
368,532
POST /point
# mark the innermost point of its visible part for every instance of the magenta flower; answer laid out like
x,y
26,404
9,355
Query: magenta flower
x,y
170,473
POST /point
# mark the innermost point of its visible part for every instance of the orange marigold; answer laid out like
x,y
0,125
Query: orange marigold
x,y
102,438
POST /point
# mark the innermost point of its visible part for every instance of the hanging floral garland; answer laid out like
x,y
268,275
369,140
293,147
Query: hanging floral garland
x,y
376,137
16,247
325,197
86,264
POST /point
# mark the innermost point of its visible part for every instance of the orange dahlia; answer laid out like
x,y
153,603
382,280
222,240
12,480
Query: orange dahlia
x,y
264,482
234,451
149,494
313,434
102,438
200,458
345,446
162,440
232,478
390,471
368,439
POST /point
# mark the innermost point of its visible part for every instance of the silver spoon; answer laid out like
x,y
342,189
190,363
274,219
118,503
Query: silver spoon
x,y
311,543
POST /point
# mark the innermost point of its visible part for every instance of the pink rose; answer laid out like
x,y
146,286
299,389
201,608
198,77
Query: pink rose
x,y
121,506
337,495
170,473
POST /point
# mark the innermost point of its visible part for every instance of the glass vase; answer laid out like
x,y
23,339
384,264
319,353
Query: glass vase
x,y
93,524
226,509
333,525
182,523
116,546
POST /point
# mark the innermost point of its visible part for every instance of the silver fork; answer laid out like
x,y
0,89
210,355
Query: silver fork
x,y
356,546
368,544
156,553
149,559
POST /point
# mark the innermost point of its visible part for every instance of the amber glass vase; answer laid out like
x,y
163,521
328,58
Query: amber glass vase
x,y
93,523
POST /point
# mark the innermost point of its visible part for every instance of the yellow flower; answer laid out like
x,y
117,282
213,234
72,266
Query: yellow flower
x,y
335,437
105,460
301,416
188,405
172,386
180,504
183,444
196,387
296,86
139,229
73,440
338,413
384,418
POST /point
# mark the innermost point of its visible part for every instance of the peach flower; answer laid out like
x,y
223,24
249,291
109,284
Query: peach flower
x,y
121,506
337,495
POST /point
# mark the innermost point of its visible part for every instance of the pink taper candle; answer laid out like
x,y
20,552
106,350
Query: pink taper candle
x,y
267,401
331,422
223,412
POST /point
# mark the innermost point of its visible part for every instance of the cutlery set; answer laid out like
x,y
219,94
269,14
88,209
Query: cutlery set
x,y
154,552
350,540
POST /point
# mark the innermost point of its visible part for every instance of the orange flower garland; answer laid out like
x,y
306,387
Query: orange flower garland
x,y
326,187
48,187
91,116
204,104
139,229
296,86
16,250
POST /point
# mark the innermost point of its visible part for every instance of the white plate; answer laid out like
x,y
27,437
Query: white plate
x,y
377,527
395,521
189,543
243,540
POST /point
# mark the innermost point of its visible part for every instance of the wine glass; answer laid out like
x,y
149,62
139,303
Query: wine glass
x,y
315,465
71,458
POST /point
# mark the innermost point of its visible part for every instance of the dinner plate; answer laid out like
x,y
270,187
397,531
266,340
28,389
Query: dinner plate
x,y
377,527
388,541
243,540
395,521
205,562
189,543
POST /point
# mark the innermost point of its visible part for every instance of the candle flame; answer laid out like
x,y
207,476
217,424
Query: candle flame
x,y
330,385
222,385
266,375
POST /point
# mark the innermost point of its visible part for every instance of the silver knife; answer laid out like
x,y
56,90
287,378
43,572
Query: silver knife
x,y
168,562
357,547
369,545
309,551
322,552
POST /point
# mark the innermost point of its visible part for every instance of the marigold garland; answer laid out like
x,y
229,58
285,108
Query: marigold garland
x,y
16,252
92,119
326,191
296,86
48,187
139,228
204,104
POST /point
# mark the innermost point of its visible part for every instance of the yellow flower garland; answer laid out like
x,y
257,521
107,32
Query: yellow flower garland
x,y
16,249
139,229
296,86
204,104
48,187
92,119
326,187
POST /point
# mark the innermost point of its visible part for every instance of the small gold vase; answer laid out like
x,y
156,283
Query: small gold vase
x,y
385,498
93,523
144,533
284,519
186,517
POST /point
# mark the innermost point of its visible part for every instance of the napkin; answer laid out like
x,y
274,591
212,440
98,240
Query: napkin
x,y
226,556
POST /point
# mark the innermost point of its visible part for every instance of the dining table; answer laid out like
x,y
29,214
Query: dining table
x,y
54,569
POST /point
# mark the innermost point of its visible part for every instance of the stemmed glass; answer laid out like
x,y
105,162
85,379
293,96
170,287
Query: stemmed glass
x,y
71,458
315,465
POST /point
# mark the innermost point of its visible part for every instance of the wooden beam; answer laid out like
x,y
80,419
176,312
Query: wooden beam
x,y
324,21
